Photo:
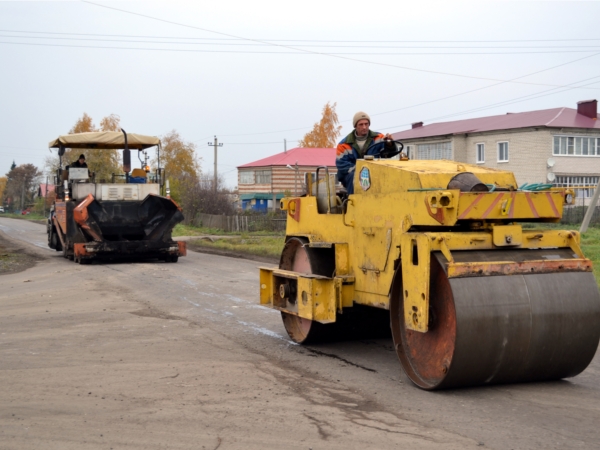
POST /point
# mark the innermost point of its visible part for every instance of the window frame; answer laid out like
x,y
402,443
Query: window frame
x,y
562,143
263,173
245,172
498,144
477,160
434,147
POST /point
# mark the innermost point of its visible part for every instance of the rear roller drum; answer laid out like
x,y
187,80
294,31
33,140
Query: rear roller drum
x,y
499,329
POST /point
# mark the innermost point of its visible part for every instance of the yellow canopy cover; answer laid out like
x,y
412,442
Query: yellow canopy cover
x,y
104,140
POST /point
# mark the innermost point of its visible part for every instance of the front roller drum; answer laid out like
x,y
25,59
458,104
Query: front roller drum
x,y
298,257
499,329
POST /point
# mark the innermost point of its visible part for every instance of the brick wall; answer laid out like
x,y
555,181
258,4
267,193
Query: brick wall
x,y
282,179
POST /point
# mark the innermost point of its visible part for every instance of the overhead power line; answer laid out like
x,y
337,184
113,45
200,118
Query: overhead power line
x,y
563,48
188,50
346,58
503,103
304,40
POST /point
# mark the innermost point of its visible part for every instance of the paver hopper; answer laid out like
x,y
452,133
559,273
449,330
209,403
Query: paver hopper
x,y
474,297
97,220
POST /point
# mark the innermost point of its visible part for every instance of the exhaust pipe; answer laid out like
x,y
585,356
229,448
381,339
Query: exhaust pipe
x,y
126,155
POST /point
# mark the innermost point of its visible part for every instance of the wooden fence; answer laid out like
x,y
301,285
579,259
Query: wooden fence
x,y
571,216
241,223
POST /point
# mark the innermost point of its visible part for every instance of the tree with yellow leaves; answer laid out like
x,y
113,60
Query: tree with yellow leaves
x,y
100,161
3,181
179,160
325,132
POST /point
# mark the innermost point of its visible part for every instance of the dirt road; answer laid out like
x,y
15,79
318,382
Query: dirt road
x,y
158,355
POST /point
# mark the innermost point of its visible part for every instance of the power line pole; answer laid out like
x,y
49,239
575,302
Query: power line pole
x,y
215,145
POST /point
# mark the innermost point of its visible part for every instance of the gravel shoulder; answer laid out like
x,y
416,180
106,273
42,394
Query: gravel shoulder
x,y
16,258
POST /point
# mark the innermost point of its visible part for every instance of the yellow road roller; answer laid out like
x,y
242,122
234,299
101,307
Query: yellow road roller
x,y
473,297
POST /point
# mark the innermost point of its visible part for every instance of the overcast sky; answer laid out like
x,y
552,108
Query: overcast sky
x,y
254,73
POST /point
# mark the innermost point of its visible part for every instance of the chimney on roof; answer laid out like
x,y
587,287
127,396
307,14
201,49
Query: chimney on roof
x,y
588,108
417,124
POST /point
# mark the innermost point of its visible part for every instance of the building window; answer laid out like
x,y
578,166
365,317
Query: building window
x,y
502,151
263,177
441,150
247,177
576,146
583,186
480,153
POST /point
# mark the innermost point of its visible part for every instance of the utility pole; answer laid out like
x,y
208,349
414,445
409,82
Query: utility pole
x,y
45,196
296,179
590,210
23,195
285,146
215,145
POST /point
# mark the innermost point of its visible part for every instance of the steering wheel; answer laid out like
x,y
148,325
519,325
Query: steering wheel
x,y
390,154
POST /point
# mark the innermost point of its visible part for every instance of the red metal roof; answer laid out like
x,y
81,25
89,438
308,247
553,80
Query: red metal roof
x,y
556,117
43,192
303,156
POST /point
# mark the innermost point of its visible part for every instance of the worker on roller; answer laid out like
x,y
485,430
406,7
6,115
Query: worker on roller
x,y
80,163
362,141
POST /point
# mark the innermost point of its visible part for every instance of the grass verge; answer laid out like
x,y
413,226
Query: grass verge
x,y
265,246
189,230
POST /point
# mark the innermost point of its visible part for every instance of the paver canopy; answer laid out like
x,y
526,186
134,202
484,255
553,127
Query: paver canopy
x,y
110,140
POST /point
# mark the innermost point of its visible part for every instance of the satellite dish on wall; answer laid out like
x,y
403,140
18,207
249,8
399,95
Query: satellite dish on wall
x,y
550,163
551,177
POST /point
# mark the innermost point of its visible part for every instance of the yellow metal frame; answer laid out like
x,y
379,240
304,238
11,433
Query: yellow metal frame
x,y
393,226
316,297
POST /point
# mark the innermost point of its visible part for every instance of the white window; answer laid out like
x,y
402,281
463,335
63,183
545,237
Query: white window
x,y
576,146
440,150
480,153
583,185
502,151
247,177
263,177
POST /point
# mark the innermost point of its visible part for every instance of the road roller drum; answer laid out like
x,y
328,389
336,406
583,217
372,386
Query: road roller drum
x,y
472,294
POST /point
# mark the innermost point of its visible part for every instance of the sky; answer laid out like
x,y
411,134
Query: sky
x,y
255,73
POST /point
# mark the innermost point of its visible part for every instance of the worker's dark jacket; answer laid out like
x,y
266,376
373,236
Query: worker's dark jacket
x,y
348,152
78,165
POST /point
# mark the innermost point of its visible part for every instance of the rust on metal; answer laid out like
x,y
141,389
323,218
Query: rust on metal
x,y
438,214
482,269
60,213
293,208
428,356
79,250
81,216
182,248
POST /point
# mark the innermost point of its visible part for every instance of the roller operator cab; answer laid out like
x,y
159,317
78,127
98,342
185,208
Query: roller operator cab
x,y
473,297
125,217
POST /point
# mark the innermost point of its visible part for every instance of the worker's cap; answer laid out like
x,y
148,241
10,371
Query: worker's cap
x,y
360,116
81,157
